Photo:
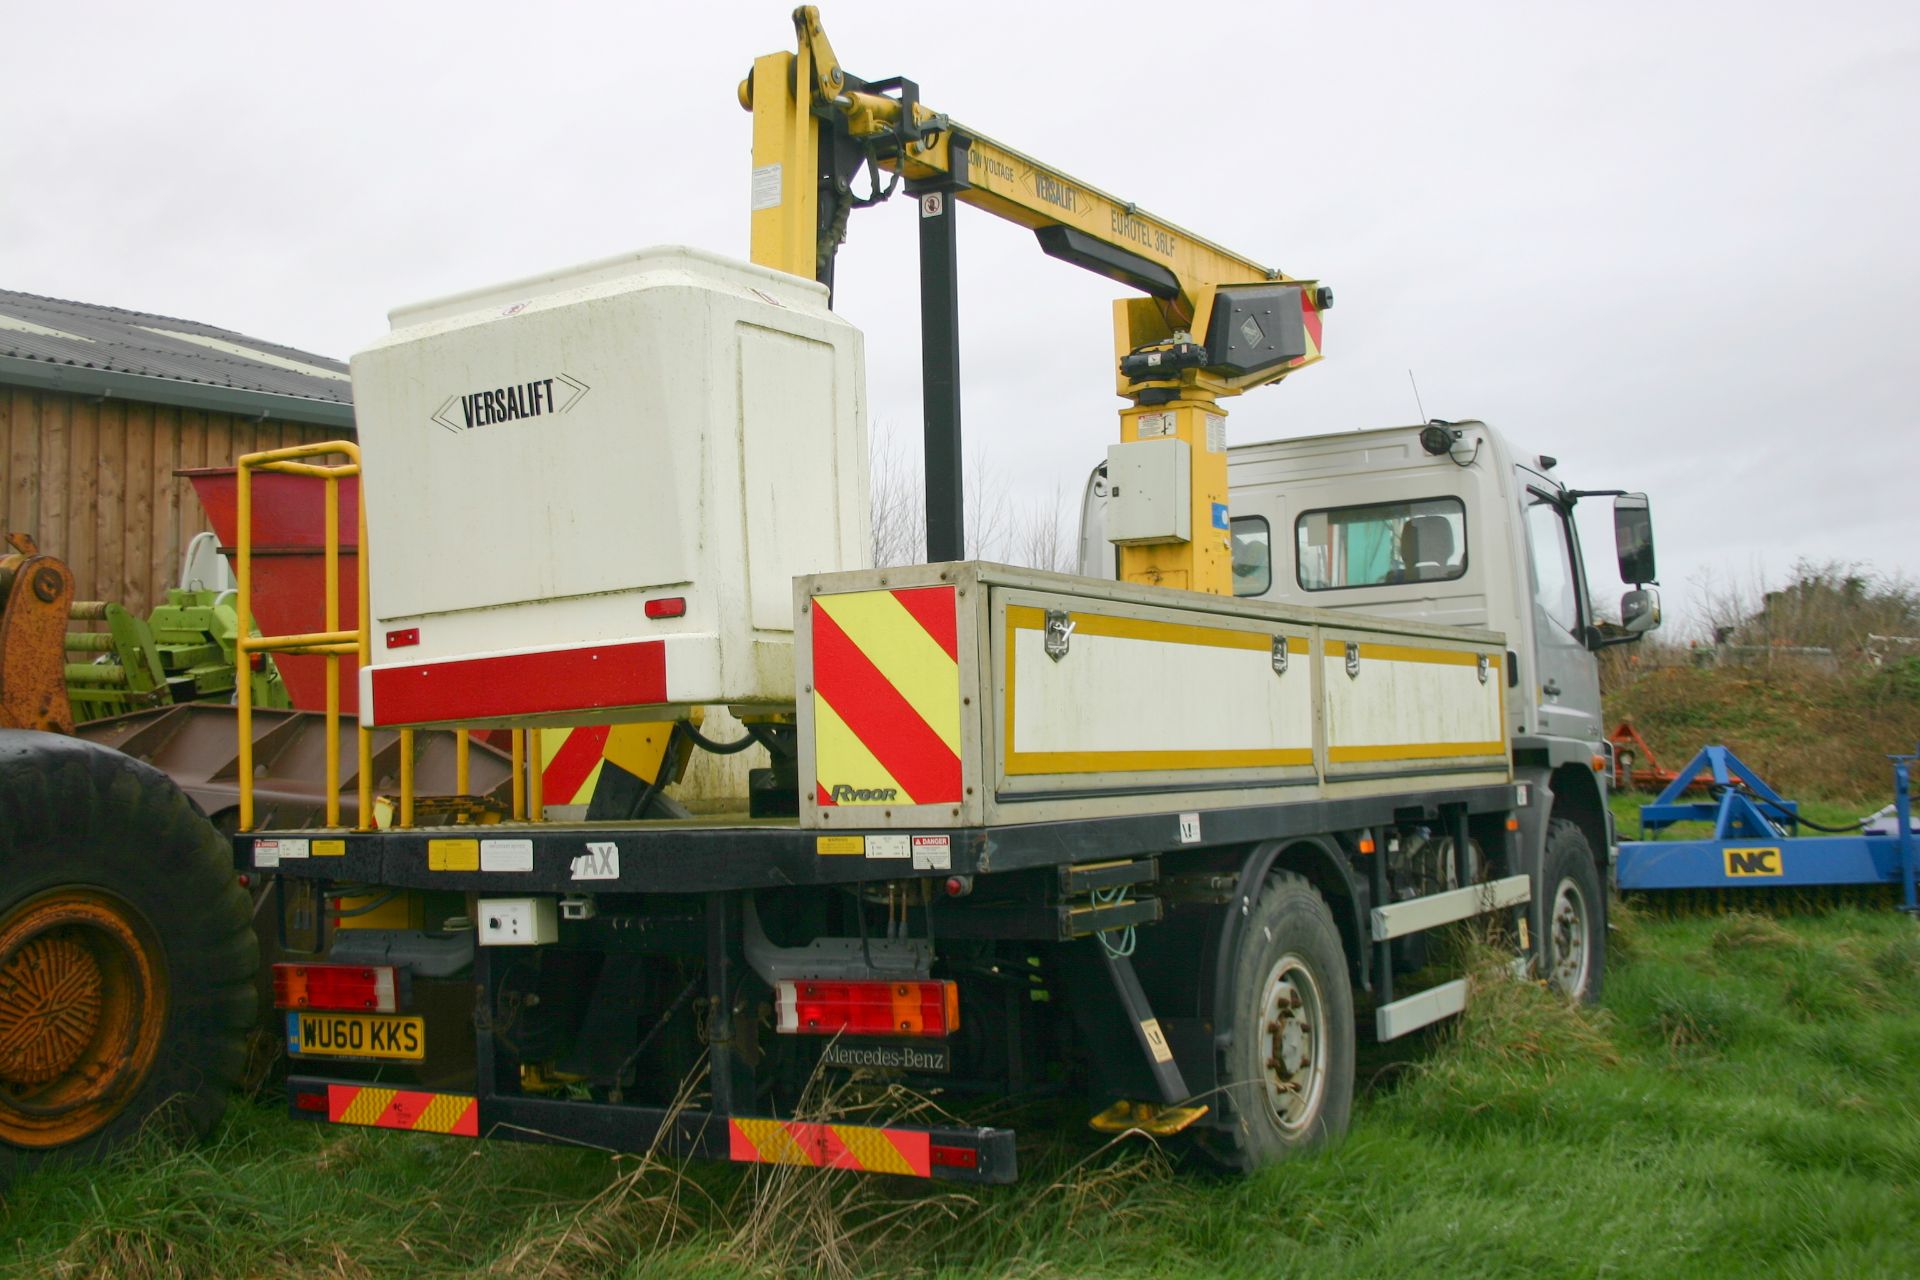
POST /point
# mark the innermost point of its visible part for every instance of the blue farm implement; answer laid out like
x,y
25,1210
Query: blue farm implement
x,y
1756,852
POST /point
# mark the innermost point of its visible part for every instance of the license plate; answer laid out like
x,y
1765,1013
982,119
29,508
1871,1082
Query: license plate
x,y
357,1035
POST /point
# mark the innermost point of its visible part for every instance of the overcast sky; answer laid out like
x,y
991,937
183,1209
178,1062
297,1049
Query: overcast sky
x,y
1676,245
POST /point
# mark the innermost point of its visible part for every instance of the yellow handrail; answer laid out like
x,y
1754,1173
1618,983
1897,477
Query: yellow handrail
x,y
536,776
517,748
332,643
406,778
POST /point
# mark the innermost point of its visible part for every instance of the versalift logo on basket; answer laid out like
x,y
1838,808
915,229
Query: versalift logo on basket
x,y
490,406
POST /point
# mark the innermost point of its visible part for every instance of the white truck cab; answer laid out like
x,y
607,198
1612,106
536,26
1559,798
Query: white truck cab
x,y
1445,523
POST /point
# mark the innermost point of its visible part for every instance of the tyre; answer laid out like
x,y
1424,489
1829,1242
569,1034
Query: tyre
x,y
1570,951
127,959
1290,1067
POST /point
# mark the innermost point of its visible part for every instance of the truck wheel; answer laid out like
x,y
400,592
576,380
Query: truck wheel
x,y
1291,1065
126,956
1571,950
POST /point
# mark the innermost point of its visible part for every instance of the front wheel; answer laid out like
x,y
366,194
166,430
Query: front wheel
x,y
1570,952
1290,1067
126,953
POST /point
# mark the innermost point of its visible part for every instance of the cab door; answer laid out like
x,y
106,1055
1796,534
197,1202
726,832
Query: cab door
x,y
1566,688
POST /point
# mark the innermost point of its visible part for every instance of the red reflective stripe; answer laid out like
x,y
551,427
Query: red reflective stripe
x,y
824,1146
404,1110
573,764
886,723
739,1146
822,794
1312,316
618,675
933,608
915,1148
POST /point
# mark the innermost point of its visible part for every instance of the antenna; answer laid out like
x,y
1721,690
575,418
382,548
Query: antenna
x,y
1416,396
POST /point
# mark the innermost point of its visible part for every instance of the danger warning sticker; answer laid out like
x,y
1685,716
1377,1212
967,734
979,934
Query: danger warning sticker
x,y
932,853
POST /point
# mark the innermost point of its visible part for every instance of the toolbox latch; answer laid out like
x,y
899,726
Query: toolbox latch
x,y
1059,633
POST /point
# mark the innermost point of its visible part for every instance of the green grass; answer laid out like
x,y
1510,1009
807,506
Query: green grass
x,y
1742,1104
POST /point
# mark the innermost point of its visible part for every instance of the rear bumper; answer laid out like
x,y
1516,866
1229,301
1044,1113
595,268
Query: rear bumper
x,y
946,1154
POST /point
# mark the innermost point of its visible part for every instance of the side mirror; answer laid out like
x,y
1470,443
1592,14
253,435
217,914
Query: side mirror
x,y
1633,541
1640,609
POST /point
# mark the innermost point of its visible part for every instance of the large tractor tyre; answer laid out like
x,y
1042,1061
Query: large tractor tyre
x,y
127,959
1570,951
1290,1067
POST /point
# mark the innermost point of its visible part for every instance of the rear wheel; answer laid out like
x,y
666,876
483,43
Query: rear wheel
x,y
1290,1068
126,956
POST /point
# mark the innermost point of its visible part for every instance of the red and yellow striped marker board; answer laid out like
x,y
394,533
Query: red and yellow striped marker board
x,y
403,1109
831,1146
886,697
571,759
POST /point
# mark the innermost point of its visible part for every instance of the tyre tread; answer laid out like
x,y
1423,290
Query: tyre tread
x,y
75,812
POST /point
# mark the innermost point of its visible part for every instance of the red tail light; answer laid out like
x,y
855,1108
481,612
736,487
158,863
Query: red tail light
x,y
356,988
817,1008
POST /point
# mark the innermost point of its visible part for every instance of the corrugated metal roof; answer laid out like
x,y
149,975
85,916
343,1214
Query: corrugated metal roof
x,y
72,338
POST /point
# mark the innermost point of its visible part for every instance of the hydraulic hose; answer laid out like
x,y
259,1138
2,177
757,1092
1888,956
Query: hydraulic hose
x,y
718,748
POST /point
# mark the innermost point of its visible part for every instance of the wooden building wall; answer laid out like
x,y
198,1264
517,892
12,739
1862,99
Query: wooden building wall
x,y
93,481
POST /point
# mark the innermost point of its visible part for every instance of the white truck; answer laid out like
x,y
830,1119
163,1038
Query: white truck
x,y
1016,830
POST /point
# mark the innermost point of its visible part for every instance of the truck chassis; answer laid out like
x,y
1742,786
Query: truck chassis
x,y
681,890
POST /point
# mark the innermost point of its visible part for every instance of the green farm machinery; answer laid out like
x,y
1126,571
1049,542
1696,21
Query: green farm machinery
x,y
182,652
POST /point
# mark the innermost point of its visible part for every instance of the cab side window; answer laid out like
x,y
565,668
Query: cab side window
x,y
1252,540
1381,544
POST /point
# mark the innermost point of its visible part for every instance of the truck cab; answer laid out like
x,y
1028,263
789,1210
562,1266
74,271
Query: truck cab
x,y
1449,523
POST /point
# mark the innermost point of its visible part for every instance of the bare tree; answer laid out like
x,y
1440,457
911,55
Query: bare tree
x,y
1835,605
1044,536
1037,534
990,512
898,503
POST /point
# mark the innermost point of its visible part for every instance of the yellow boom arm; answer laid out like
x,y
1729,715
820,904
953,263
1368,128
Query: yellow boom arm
x,y
1212,324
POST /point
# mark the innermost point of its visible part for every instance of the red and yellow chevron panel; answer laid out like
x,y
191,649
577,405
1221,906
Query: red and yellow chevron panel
x,y
570,763
831,1146
403,1109
886,697
571,758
